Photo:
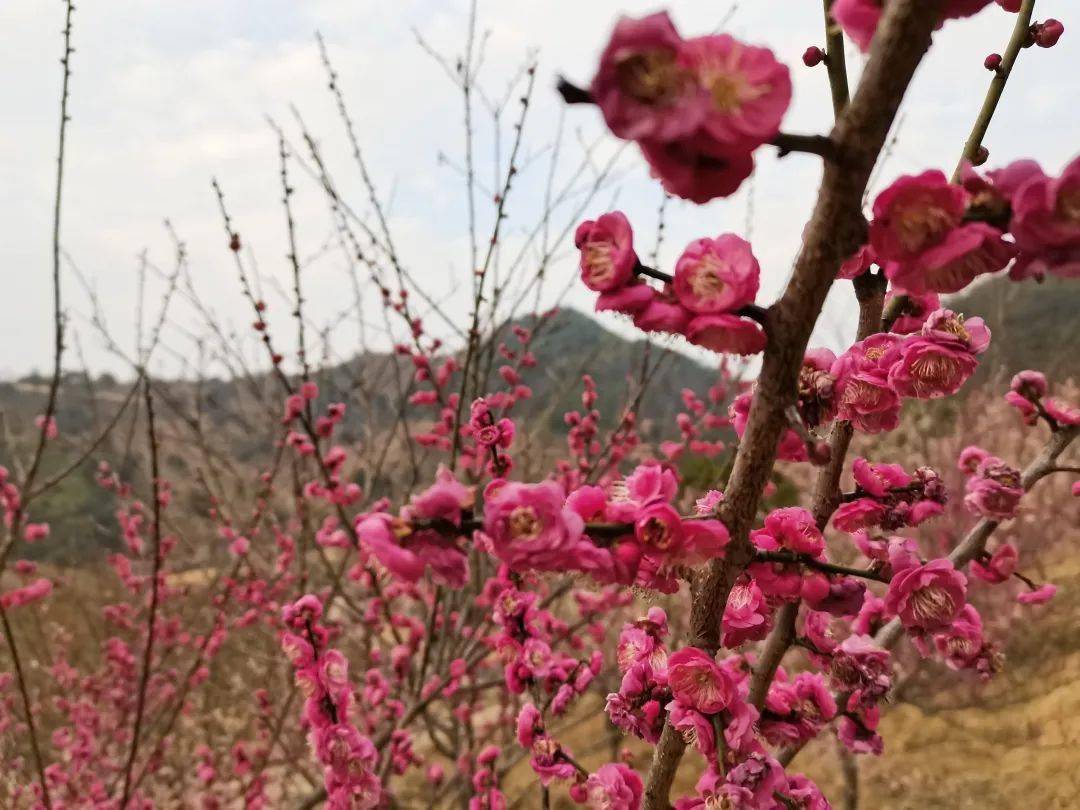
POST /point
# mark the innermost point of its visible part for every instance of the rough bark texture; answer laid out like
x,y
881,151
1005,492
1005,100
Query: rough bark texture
x,y
835,230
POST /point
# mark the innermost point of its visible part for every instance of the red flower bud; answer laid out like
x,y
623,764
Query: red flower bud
x,y
813,56
992,62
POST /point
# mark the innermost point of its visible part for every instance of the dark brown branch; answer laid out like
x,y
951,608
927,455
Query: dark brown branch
x,y
835,230
791,558
155,569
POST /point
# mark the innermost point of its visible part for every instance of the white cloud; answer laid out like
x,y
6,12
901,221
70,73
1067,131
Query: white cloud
x,y
166,95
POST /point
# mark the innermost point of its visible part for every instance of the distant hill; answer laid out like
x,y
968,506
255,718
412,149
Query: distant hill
x,y
238,416
1034,325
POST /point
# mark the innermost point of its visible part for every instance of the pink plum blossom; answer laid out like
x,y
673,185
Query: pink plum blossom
x,y
607,252
927,597
698,682
716,275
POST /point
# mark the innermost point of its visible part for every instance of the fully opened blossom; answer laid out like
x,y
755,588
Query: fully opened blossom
x,y
940,359
864,396
746,88
915,214
643,85
716,275
530,527
927,597
697,681
697,108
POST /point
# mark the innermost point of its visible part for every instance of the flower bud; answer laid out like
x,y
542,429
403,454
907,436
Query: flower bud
x,y
1047,33
992,62
813,56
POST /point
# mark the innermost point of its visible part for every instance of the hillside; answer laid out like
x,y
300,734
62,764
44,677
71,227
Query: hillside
x,y
1034,325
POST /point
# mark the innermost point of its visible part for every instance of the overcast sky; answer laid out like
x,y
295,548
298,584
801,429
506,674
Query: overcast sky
x,y
167,94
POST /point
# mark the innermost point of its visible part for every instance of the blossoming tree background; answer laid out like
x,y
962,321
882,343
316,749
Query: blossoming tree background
x,y
385,583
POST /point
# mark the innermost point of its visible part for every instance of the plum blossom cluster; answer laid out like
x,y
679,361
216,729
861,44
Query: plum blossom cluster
x,y
930,235
1028,394
709,299
698,108
322,673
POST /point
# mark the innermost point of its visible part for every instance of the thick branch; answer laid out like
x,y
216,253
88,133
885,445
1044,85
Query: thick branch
x,y
835,230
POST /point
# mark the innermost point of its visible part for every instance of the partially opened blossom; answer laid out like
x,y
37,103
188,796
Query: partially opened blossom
x,y
695,170
746,615
1061,412
858,732
792,528
914,309
857,263
995,489
997,567
877,480
970,458
697,729
651,482
607,252
1029,384
1038,596
762,775
967,252
791,446
797,709
407,553
664,313
805,793
927,597
817,388
614,786
859,18
1046,222
17,597
628,300
964,647
638,707
726,334
861,668
716,275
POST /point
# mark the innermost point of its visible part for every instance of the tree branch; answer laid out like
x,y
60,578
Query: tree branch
x,y
835,230
1020,36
